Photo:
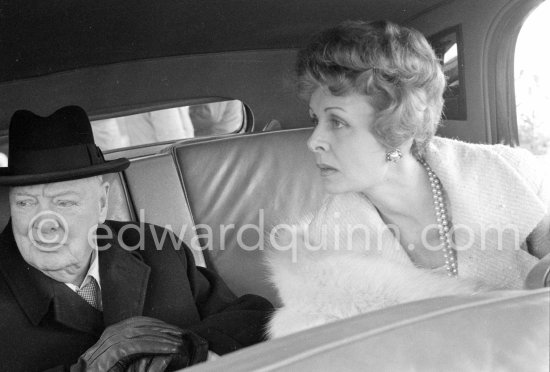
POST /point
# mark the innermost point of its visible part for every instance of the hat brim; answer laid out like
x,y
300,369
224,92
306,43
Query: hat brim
x,y
117,165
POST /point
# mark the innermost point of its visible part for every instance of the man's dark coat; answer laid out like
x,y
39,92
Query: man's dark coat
x,y
44,324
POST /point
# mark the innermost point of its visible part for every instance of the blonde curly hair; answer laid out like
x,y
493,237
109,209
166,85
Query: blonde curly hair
x,y
393,66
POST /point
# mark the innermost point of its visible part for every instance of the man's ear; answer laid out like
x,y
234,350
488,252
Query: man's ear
x,y
104,201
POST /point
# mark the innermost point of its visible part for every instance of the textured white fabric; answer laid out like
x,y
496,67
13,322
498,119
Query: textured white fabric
x,y
490,188
499,202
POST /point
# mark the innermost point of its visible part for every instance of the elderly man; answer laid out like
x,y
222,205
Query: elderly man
x,y
72,295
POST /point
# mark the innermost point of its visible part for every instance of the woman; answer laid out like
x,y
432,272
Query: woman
x,y
409,215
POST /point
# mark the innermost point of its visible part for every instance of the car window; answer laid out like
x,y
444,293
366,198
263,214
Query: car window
x,y
176,123
203,120
532,83
448,47
3,151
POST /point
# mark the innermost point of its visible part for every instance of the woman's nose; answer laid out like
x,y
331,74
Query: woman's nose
x,y
316,142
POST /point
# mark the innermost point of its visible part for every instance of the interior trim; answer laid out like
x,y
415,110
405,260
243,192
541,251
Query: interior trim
x,y
498,71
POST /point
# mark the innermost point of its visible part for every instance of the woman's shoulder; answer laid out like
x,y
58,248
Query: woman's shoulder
x,y
492,157
516,156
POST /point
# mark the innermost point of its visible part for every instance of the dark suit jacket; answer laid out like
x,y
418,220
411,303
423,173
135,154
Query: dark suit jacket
x,y
44,324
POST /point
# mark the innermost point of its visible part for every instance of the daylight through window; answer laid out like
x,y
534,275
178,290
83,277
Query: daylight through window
x,y
532,82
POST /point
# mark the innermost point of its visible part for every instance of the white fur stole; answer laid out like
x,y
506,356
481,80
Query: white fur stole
x,y
323,285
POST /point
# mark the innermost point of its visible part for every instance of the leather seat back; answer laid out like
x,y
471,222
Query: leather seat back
x,y
4,207
157,193
238,189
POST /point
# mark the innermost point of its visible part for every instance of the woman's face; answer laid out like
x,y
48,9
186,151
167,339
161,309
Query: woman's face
x,y
348,155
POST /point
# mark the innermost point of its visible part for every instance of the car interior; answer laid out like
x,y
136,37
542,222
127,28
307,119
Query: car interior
x,y
229,179
213,191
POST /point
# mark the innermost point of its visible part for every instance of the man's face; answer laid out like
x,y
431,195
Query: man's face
x,y
54,225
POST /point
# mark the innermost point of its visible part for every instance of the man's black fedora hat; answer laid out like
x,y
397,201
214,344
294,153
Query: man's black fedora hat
x,y
56,148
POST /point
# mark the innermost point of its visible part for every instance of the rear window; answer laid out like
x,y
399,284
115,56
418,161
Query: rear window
x,y
201,120
4,151
208,119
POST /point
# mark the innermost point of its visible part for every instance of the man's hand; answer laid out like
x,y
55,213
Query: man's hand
x,y
126,342
194,350
151,363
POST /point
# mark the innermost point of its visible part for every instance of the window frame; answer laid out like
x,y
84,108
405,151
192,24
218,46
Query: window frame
x,y
461,112
498,71
145,149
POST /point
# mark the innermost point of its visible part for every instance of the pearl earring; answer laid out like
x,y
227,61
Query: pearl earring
x,y
394,155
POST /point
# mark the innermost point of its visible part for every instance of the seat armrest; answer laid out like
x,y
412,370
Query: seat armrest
x,y
539,276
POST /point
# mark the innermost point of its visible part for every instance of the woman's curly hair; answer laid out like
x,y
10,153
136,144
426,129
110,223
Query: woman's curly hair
x,y
394,66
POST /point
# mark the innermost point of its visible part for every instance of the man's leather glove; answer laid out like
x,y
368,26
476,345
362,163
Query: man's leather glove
x,y
125,342
194,350
150,363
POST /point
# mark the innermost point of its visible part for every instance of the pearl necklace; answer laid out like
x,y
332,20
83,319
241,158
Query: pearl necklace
x,y
443,225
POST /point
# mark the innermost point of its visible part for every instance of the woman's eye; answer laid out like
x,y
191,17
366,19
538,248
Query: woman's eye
x,y
337,124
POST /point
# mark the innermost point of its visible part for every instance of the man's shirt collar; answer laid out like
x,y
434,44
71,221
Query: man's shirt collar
x,y
93,272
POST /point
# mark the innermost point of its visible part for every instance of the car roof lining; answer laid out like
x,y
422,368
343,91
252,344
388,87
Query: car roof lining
x,y
65,35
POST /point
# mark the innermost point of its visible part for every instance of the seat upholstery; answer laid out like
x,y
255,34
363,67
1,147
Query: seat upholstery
x,y
238,189
4,207
157,194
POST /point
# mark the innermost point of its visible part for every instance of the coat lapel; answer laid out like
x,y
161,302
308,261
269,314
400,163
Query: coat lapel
x,y
31,289
124,278
40,296
74,312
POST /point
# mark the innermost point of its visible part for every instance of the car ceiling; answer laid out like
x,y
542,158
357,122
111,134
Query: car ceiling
x,y
42,37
